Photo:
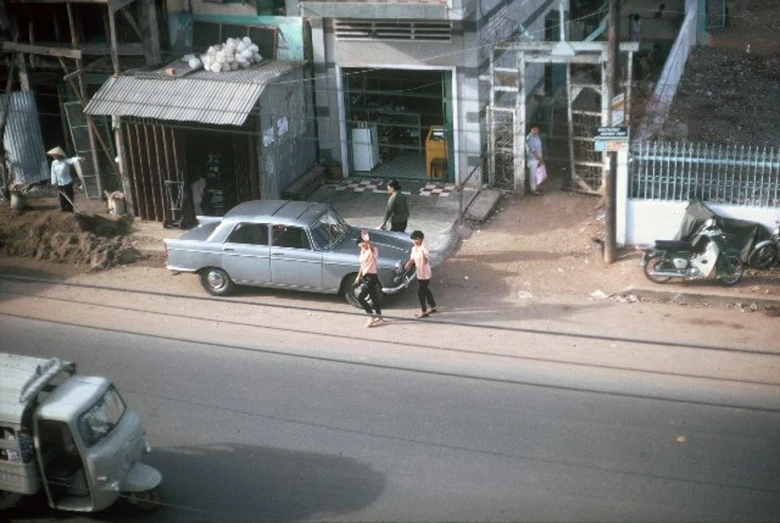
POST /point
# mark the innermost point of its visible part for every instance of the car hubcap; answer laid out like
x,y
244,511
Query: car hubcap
x,y
215,280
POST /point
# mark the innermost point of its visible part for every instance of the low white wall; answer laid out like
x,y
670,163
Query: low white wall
x,y
650,220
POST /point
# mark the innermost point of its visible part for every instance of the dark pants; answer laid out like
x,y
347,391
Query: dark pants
x,y
424,294
65,205
398,226
371,287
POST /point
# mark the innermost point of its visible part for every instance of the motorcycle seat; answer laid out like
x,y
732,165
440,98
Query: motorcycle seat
x,y
673,245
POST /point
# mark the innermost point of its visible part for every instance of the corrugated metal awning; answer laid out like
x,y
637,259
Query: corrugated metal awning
x,y
22,139
200,96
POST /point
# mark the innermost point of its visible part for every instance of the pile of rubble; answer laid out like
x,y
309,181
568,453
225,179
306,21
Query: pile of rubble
x,y
84,239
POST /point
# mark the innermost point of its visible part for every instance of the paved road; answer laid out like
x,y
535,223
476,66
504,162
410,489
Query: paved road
x,y
309,420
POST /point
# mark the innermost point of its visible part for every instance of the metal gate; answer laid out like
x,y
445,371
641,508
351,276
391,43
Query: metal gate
x,y
587,165
717,14
506,112
502,136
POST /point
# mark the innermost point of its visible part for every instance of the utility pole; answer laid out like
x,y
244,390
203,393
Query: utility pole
x,y
613,81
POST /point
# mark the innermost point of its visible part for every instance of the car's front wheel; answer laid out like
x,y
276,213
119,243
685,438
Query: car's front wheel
x,y
216,281
350,291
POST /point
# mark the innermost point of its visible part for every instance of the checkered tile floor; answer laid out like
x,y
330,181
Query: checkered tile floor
x,y
437,189
379,186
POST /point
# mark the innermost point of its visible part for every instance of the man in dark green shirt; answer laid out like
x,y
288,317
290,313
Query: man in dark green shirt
x,y
397,212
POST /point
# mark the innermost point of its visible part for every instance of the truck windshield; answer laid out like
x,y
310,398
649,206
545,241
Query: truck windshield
x,y
97,422
328,230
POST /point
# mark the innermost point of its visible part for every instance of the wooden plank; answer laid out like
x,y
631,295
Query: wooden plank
x,y
160,177
31,34
62,52
133,24
116,5
151,32
122,49
156,209
112,40
254,185
132,151
56,1
56,24
124,176
143,152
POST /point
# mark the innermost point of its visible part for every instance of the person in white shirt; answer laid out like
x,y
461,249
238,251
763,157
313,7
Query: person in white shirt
x,y
420,257
535,157
62,177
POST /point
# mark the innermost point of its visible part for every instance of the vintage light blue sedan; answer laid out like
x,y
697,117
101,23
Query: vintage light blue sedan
x,y
288,245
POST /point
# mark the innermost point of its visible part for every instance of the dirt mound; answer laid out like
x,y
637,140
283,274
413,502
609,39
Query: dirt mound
x,y
88,240
728,94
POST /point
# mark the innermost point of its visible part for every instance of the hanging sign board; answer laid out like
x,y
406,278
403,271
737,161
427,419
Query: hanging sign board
x,y
611,139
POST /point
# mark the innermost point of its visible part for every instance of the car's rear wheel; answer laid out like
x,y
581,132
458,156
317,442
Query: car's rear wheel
x,y
216,281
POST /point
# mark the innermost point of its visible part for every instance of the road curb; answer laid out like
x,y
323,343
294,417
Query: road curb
x,y
697,297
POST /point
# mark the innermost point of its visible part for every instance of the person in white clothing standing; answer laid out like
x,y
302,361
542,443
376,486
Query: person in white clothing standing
x,y
420,257
62,177
534,157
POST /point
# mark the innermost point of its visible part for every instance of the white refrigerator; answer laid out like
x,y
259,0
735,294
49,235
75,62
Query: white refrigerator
x,y
365,148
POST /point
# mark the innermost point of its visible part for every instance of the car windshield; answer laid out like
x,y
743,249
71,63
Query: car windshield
x,y
328,230
97,422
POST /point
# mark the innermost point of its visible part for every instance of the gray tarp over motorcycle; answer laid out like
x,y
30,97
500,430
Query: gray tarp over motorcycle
x,y
740,235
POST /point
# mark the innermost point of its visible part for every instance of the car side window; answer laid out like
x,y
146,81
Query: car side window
x,y
292,237
250,234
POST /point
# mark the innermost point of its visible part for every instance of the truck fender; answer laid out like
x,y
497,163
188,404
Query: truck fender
x,y
141,478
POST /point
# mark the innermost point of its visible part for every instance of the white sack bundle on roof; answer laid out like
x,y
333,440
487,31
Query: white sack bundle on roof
x,y
235,53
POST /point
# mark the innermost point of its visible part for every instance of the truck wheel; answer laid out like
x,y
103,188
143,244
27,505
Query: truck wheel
x,y
216,281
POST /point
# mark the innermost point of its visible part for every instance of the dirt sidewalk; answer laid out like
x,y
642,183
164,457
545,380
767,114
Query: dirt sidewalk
x,y
542,248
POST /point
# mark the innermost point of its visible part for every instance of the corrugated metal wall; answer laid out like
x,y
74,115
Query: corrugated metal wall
x,y
22,140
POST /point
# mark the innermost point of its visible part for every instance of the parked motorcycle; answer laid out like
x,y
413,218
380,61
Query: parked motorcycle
x,y
705,256
766,253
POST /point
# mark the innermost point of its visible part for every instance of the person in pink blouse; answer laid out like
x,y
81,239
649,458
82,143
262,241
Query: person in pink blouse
x,y
368,280
420,257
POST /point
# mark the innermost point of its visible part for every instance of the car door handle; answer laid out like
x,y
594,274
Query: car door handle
x,y
228,249
277,255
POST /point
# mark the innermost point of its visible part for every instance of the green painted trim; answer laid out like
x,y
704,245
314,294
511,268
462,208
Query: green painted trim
x,y
249,19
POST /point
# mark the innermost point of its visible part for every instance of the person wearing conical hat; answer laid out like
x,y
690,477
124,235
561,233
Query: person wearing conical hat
x,y
62,176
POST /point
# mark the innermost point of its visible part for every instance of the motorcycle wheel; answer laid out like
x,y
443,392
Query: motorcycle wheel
x,y
733,277
658,263
763,257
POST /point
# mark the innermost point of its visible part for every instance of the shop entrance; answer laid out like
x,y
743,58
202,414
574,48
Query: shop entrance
x,y
399,123
221,169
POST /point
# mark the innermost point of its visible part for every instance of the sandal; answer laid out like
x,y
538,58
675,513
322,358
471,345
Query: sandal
x,y
421,315
433,310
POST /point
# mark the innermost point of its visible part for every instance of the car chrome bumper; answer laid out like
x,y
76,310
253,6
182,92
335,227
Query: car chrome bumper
x,y
405,281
